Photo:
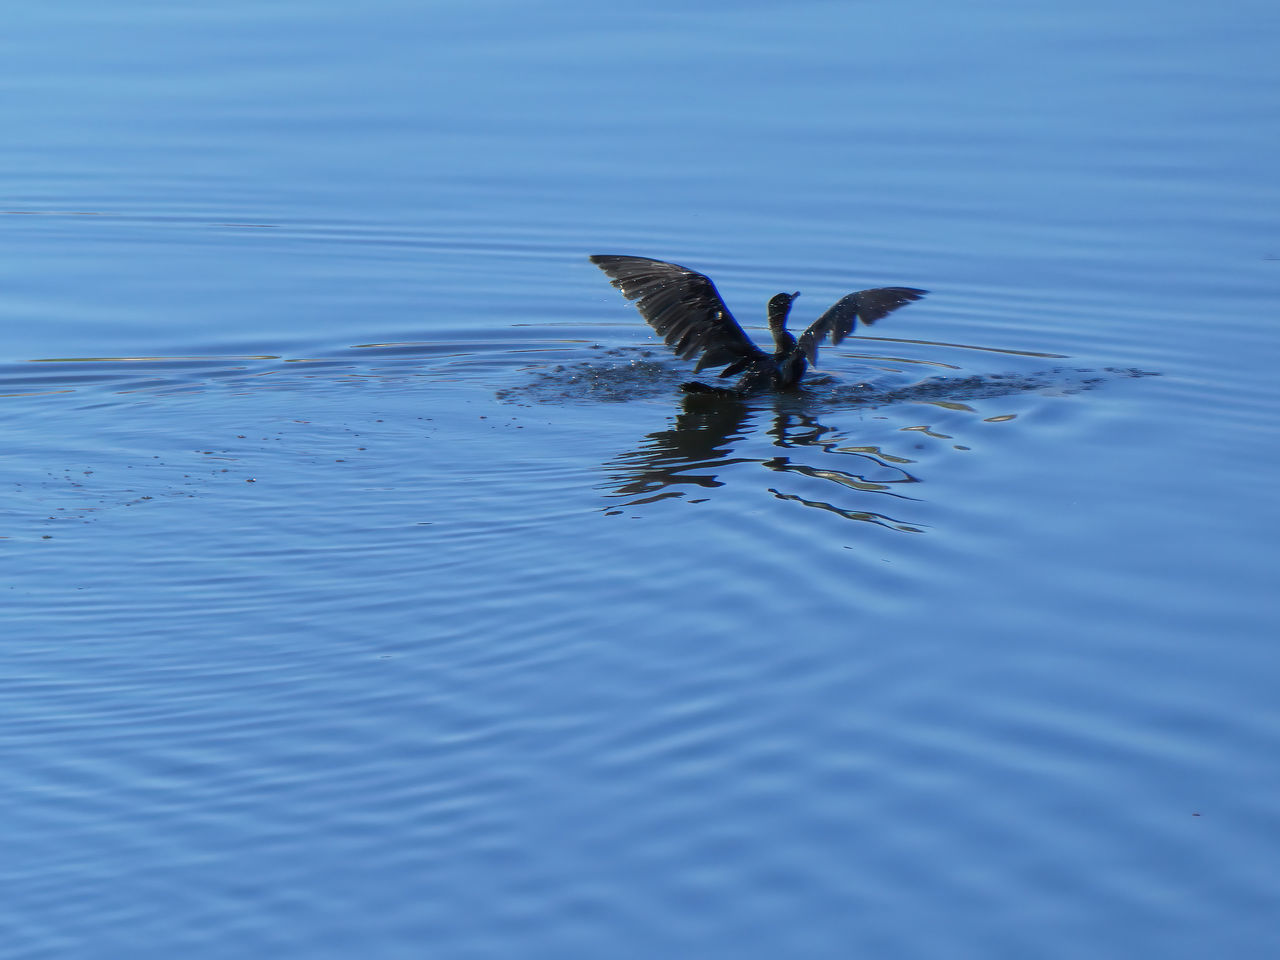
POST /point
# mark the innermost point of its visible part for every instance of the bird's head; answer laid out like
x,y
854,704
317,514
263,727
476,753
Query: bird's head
x,y
779,307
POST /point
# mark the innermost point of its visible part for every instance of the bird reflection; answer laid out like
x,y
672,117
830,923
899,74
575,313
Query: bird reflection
x,y
699,443
712,434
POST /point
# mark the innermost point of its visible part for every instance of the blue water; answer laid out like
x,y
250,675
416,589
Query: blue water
x,y
371,589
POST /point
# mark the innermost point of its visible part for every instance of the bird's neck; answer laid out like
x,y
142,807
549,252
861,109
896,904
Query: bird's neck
x,y
783,342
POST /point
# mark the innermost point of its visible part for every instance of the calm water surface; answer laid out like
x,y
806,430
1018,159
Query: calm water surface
x,y
370,587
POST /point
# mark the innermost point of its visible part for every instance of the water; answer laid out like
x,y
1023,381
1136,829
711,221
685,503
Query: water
x,y
370,586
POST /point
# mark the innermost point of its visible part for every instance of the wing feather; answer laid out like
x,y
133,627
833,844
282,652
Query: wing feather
x,y
865,305
683,307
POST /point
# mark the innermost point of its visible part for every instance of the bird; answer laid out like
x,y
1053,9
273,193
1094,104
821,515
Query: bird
x,y
684,307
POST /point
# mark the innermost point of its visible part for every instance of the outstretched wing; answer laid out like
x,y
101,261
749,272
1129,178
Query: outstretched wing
x,y
865,305
683,306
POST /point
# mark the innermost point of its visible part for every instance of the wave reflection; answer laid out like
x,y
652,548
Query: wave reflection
x,y
713,436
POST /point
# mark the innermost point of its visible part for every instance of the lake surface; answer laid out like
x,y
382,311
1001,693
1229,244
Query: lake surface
x,y
370,587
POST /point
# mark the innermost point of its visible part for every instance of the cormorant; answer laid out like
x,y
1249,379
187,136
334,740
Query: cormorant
x,y
685,308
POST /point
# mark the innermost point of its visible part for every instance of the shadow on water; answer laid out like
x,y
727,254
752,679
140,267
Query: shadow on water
x,y
702,443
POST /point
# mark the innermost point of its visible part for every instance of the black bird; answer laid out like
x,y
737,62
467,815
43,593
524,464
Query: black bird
x,y
685,308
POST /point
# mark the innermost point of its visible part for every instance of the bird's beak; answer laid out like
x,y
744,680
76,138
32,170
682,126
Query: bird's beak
x,y
796,294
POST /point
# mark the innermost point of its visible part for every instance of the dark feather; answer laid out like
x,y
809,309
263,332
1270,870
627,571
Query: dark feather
x,y
683,307
865,305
